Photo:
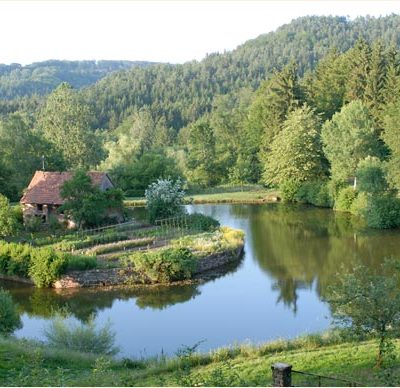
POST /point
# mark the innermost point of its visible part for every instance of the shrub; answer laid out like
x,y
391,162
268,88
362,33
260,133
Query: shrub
x,y
33,224
164,199
15,259
80,337
314,193
371,176
8,222
289,189
201,222
383,212
359,205
345,198
165,265
9,317
47,266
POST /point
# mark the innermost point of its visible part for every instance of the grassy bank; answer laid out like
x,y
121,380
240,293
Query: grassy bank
x,y
248,195
27,363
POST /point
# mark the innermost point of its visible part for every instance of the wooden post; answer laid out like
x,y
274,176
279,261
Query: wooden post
x,y
281,375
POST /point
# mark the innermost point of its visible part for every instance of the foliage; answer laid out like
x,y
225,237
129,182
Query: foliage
x,y
296,152
371,176
164,265
201,222
349,137
42,265
315,193
42,77
80,337
87,204
359,205
383,212
288,189
164,199
201,159
8,221
65,121
46,266
9,317
369,302
345,198
391,137
134,178
22,148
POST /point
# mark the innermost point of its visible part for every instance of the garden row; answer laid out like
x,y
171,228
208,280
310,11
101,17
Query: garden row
x,y
174,259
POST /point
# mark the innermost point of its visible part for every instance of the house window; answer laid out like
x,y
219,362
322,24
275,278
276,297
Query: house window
x,y
40,207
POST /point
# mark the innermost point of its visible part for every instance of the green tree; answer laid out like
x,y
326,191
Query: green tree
x,y
201,154
136,177
65,122
391,137
85,203
8,222
275,98
296,152
21,152
348,138
327,85
369,302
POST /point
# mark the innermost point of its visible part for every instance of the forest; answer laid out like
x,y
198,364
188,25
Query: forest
x,y
311,109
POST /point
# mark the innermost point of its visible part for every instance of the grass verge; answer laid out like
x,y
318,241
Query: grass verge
x,y
25,363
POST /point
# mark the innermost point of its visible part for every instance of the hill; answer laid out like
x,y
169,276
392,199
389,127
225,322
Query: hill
x,y
42,77
182,93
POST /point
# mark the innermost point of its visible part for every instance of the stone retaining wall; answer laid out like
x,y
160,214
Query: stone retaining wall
x,y
122,276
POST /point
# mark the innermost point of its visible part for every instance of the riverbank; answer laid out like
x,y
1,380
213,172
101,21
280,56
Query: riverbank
x,y
256,195
28,363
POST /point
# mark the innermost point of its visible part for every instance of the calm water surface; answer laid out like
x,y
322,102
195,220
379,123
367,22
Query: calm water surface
x,y
291,254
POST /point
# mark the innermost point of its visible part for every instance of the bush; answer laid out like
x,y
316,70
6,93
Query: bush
x,y
371,176
164,199
47,266
314,193
201,222
165,265
359,205
15,259
8,222
289,189
9,317
383,212
81,337
345,199
33,224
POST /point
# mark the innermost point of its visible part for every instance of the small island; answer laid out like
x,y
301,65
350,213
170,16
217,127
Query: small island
x,y
173,247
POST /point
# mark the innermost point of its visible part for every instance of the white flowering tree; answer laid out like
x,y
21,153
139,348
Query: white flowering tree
x,y
164,199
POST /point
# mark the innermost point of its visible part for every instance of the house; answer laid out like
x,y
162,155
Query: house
x,y
42,197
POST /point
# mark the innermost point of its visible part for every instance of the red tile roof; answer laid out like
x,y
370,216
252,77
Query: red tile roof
x,y
45,186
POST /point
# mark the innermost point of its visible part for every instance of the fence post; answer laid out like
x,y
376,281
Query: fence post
x,y
281,375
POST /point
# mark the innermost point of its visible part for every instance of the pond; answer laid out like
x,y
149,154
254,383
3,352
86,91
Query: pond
x,y
292,253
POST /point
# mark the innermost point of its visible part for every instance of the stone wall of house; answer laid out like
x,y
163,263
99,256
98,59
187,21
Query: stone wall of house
x,y
126,276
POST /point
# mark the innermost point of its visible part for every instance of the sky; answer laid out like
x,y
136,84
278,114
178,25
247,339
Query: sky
x,y
161,31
